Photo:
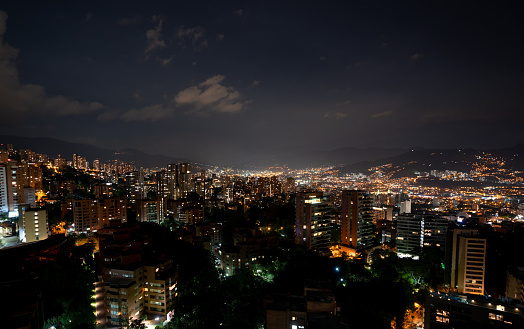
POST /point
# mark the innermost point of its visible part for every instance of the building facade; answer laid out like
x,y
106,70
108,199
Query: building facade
x,y
313,221
444,311
357,229
33,225
415,232
468,262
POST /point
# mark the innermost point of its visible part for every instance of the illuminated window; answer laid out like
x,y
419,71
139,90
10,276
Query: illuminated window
x,y
498,317
442,319
443,312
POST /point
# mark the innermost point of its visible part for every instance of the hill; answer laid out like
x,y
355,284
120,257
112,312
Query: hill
x,y
54,147
494,161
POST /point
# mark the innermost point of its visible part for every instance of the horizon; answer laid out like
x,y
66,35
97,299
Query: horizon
x,y
342,156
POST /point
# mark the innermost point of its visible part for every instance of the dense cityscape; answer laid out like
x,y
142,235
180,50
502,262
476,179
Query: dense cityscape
x,y
110,244
261,164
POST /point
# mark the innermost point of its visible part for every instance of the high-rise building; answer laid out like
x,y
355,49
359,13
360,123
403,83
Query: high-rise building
x,y
468,261
96,165
103,190
4,207
178,180
149,211
190,212
171,181
33,224
409,235
79,162
290,186
85,216
135,185
434,230
405,207
135,280
416,231
200,184
30,175
183,179
313,221
162,188
357,230
111,209
10,189
59,162
515,283
4,156
29,197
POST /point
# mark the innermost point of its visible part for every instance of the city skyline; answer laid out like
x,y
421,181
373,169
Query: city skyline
x,y
123,244
211,81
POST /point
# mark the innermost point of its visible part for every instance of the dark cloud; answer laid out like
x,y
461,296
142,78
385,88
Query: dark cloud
x,y
154,37
165,61
195,36
381,114
19,101
155,112
212,95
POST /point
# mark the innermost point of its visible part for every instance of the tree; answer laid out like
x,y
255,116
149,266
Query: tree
x,y
242,295
68,285
131,324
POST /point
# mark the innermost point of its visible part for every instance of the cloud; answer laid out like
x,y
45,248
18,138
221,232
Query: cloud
x,y
154,112
19,101
381,114
416,56
211,94
239,12
220,37
330,114
154,37
165,61
256,83
196,36
323,58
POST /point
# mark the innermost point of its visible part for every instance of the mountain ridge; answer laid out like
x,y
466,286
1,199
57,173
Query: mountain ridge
x,y
54,147
347,159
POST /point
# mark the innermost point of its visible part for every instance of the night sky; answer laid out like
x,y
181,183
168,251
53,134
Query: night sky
x,y
225,81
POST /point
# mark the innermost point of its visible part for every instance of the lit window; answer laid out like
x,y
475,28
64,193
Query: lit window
x,y
442,319
498,317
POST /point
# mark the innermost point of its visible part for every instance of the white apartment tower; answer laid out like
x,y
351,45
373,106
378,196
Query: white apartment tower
x,y
33,225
